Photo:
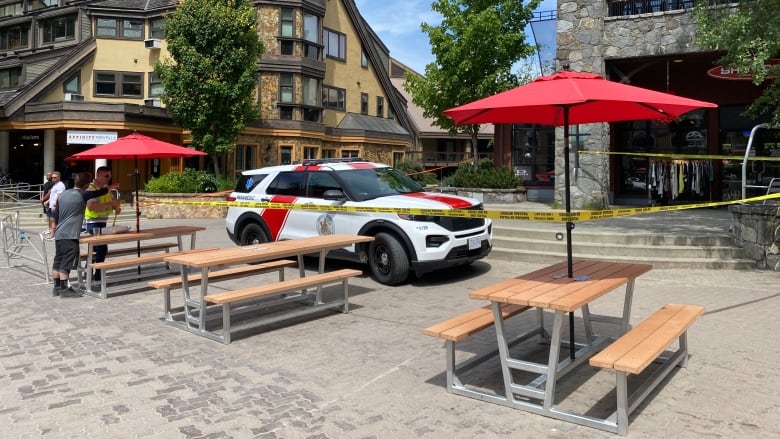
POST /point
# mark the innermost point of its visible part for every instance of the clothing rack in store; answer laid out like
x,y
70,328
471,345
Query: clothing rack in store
x,y
674,179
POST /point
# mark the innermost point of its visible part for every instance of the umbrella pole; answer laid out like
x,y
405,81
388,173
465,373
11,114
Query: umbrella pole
x,y
569,224
137,211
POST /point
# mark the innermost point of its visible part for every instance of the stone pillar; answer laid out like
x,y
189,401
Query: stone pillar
x,y
5,150
48,152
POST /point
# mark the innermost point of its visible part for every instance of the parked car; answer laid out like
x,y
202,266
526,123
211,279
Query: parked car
x,y
403,244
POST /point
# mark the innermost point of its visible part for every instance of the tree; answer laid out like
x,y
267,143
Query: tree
x,y
211,78
750,34
475,47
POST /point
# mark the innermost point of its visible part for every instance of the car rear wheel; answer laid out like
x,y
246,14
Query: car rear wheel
x,y
388,259
253,234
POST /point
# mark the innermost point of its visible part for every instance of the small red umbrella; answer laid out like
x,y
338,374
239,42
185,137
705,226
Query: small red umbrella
x,y
572,98
136,146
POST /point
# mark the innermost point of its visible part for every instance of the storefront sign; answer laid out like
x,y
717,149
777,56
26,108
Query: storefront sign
x,y
734,74
90,137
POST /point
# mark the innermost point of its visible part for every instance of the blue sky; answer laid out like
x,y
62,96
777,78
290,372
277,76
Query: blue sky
x,y
398,25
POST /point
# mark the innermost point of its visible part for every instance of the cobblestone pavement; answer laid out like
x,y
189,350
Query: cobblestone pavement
x,y
91,368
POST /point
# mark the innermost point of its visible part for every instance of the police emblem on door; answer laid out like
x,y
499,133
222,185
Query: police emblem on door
x,y
325,225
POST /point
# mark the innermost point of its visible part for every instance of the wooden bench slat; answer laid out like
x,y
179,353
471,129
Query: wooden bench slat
x,y
640,346
469,323
281,287
143,259
134,250
173,282
636,360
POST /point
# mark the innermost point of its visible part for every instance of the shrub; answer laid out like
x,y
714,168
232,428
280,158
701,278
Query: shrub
x,y
414,169
189,181
484,176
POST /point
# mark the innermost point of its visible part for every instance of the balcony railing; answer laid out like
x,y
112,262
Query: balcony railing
x,y
619,8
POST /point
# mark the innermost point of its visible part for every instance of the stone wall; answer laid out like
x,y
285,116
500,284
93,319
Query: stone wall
x,y
160,206
757,230
494,196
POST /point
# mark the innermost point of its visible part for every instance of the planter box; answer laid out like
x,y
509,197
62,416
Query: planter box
x,y
160,206
756,228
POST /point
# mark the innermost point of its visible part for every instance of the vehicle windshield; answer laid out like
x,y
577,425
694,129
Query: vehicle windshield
x,y
367,184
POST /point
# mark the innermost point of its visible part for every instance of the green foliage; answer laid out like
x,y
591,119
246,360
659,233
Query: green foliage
x,y
749,33
211,77
484,176
189,181
225,183
475,46
414,169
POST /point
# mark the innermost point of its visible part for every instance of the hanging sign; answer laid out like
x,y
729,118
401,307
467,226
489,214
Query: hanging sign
x,y
75,137
734,74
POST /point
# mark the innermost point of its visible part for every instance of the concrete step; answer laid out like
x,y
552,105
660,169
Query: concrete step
x,y
527,243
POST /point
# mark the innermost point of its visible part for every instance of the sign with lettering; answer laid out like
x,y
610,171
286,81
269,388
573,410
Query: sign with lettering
x,y
75,137
735,74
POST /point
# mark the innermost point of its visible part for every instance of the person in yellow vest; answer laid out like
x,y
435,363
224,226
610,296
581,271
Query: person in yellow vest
x,y
98,210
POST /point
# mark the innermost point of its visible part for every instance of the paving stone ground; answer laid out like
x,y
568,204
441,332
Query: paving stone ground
x,y
91,368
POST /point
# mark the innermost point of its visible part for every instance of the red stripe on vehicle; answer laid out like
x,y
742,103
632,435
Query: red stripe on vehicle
x,y
306,168
361,165
455,203
275,218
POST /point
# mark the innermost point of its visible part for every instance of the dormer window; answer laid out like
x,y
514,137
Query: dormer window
x,y
15,37
58,29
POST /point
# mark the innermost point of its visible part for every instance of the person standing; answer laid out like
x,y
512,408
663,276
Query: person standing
x,y
54,193
45,198
71,206
97,212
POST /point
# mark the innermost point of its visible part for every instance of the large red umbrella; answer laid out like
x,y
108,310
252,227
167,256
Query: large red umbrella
x,y
136,146
572,98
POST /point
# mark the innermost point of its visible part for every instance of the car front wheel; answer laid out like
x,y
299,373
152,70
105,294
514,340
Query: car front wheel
x,y
253,234
388,259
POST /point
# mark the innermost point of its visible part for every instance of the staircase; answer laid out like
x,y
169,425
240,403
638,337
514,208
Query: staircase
x,y
684,239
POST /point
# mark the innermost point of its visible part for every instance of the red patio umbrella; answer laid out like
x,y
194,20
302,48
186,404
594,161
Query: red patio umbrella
x,y
136,146
572,98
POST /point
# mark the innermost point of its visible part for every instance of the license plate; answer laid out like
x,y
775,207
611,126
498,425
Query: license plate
x,y
475,243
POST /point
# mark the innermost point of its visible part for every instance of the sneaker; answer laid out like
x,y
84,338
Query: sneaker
x,y
46,232
70,293
49,238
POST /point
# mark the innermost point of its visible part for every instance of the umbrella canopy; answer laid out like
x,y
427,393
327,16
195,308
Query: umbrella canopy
x,y
572,98
584,97
133,147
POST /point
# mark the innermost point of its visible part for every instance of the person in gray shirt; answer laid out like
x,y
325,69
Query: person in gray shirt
x,y
70,218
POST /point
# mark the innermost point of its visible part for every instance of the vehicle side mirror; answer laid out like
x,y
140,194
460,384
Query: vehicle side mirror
x,y
334,195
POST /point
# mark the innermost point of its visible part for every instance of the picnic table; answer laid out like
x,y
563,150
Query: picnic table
x,y
135,259
194,316
533,387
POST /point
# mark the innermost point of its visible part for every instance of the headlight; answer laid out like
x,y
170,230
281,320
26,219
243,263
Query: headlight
x,y
421,218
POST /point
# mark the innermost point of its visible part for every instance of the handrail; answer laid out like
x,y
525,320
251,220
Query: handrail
x,y
747,154
16,239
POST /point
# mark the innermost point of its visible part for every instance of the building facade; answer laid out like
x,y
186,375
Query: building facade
x,y
653,44
74,74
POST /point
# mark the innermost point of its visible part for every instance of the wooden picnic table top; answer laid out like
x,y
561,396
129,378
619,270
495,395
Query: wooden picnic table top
x,y
266,251
551,288
150,233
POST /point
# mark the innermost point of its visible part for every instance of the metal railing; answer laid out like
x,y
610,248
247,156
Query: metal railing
x,y
19,192
19,243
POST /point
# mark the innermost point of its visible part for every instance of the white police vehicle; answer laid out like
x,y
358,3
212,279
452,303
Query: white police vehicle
x,y
403,243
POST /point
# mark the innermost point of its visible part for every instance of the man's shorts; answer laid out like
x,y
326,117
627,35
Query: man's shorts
x,y
66,255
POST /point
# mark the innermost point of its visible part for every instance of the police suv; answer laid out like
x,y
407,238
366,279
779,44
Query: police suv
x,y
403,243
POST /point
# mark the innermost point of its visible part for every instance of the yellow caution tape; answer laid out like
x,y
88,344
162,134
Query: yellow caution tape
x,y
548,216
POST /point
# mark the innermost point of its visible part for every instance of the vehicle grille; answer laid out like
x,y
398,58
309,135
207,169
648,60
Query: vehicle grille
x,y
455,224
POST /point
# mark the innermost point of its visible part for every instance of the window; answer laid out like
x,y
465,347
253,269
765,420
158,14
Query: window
x,y
40,4
349,153
157,28
156,87
285,112
286,88
245,157
285,156
319,182
59,29
287,22
398,157
310,152
120,28
335,44
119,84
15,37
334,97
10,77
363,103
311,92
380,106
390,113
363,59
328,153
12,9
72,85
287,183
311,33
